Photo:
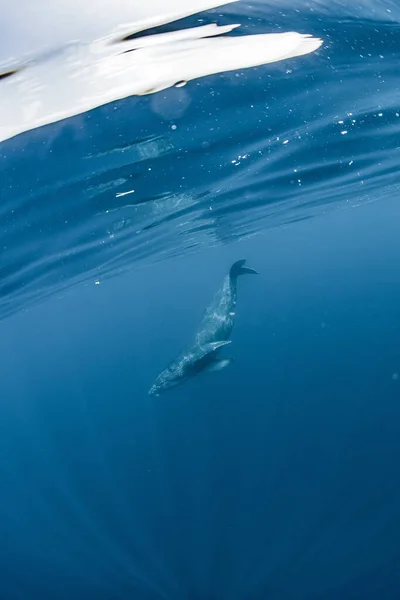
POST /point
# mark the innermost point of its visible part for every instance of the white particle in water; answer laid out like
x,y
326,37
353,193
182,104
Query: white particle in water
x,y
173,127
380,114
97,282
343,132
120,194
285,142
340,122
351,162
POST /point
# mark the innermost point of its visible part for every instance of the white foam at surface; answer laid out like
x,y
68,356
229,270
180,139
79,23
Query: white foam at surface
x,y
28,27
83,76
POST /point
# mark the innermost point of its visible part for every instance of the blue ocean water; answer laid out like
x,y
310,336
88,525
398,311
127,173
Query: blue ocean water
x,y
278,476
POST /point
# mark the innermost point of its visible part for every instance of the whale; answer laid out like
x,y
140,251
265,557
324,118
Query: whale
x,y
213,334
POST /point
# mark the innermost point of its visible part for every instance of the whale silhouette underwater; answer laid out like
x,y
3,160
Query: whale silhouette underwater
x,y
212,335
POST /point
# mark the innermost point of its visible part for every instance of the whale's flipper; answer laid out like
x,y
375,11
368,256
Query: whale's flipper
x,y
218,365
212,346
209,348
238,268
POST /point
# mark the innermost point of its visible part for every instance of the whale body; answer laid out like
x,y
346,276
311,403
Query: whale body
x,y
212,335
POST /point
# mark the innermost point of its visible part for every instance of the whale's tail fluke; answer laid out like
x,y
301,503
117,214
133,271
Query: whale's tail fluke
x,y
238,268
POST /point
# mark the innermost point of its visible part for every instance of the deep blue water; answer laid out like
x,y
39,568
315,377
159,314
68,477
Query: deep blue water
x,y
277,477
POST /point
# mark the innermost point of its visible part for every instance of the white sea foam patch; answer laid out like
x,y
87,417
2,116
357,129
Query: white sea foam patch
x,y
82,76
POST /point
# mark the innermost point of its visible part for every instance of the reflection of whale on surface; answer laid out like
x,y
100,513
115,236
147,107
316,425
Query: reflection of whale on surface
x,y
213,334
79,77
